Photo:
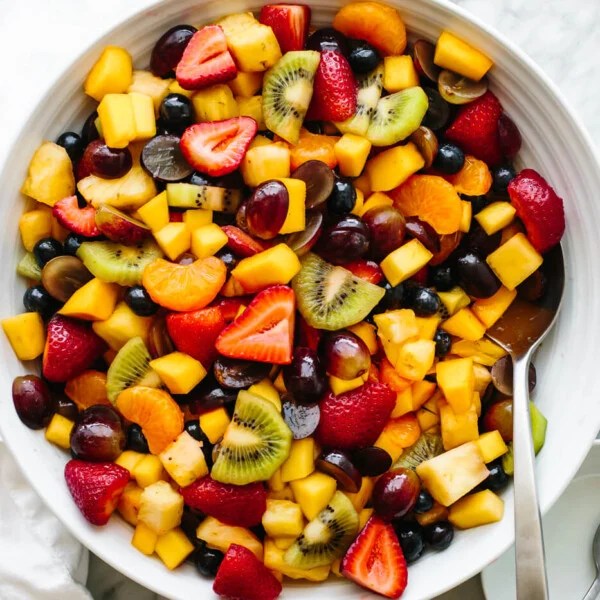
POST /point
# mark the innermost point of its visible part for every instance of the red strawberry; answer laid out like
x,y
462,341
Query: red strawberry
x,y
365,269
81,221
175,216
475,129
539,207
375,560
217,148
195,332
71,347
96,488
264,332
289,22
242,576
205,60
231,306
334,89
240,505
307,336
509,136
355,419
241,243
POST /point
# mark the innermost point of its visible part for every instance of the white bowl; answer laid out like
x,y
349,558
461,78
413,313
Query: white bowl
x,y
568,389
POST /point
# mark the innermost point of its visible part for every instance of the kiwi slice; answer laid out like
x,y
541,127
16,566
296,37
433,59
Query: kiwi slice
x,y
370,86
287,90
326,537
131,366
331,297
209,197
115,263
429,445
29,268
255,444
397,116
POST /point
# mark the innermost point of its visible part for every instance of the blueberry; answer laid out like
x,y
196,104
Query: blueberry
x,y
328,38
37,299
89,131
443,341
228,257
449,159
343,197
363,57
140,302
424,502
190,519
315,127
72,243
410,536
393,297
193,428
497,480
72,143
136,440
176,112
442,278
208,561
439,535
502,176
47,249
425,302
478,203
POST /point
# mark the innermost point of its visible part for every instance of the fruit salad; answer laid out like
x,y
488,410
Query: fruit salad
x,y
260,280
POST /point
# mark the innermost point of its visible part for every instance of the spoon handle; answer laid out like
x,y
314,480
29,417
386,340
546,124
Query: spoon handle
x,y
594,592
529,542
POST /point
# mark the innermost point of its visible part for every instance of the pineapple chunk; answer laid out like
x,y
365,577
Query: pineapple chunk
x,y
50,175
394,328
404,403
351,152
111,74
283,543
215,103
399,73
283,518
464,324
207,240
477,509
220,536
184,460
122,326
454,473
489,310
405,261
457,428
359,499
179,372
148,471
274,560
427,418
214,423
143,82
496,216
415,358
300,463
174,239
246,85
173,548
59,431
313,493
514,261
26,333
455,55
492,446
129,460
129,503
295,218
374,200
94,301
33,226
144,539
252,107
457,382
392,167
161,507
155,213
265,161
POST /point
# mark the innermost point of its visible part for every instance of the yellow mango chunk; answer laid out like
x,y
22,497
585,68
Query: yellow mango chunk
x,y
514,261
179,372
422,391
496,216
220,536
466,217
464,324
175,88
143,82
148,470
94,301
358,203
129,460
301,461
491,445
489,310
111,74
197,217
161,507
117,120
214,423
393,167
207,240
405,261
455,55
129,503
143,115
33,226
265,161
483,351
144,539
394,327
246,84
457,428
351,152
274,560
26,333
215,103
477,509
374,200
313,493
121,326
457,381
283,518
359,499
174,239
366,332
341,386
265,389
295,218
173,548
59,431
399,73
415,359
427,326
427,419
155,213
404,403
252,107
363,184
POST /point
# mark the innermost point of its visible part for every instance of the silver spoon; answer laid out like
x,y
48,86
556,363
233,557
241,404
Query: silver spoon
x,y
519,331
594,592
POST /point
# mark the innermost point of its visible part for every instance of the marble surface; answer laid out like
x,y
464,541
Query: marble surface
x,y
38,39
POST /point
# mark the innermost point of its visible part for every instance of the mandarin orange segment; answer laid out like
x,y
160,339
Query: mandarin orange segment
x,y
184,287
474,179
87,389
155,412
312,146
430,198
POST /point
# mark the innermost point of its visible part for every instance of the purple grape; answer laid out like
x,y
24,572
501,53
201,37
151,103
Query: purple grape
x,y
347,239
33,402
169,48
98,434
305,376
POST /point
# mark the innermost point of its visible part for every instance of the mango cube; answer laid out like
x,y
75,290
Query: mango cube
x,y
514,261
220,536
393,167
295,218
435,514
111,74
143,116
457,381
26,333
483,351
197,217
116,118
491,445
173,548
477,509
489,310
375,200
482,378
274,560
352,152
246,84
155,213
363,184
427,419
251,107
207,240
121,326
174,239
464,324
214,423
161,507
358,203
129,460
215,103
283,543
405,261
283,518
285,493
466,217
415,358
184,460
359,499
454,299
144,539
427,326
366,332
59,431
422,391
33,226
265,389
313,493
455,55
399,73
341,386
144,82
148,471
129,503
265,161
404,403
301,461
457,428
94,301
496,216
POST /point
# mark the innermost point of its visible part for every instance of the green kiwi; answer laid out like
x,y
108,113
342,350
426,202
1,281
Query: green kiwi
x,y
131,366
326,537
508,460
255,444
116,263
287,90
397,116
209,197
29,268
429,445
331,297
370,86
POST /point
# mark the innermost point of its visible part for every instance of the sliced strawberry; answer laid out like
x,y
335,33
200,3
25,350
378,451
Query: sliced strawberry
x,y
175,216
375,560
81,221
264,332
238,505
96,488
242,576
306,335
368,270
206,60
195,332
241,243
334,89
539,207
289,22
217,148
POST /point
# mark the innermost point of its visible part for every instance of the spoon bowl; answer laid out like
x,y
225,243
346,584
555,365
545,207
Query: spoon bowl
x,y
594,592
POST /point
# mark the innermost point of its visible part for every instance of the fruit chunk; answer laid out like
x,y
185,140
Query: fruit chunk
x,y
215,103
81,221
50,175
148,471
144,82
415,358
174,239
405,261
399,73
59,431
123,325
491,445
311,146
221,536
489,310
464,324
393,167
94,301
352,152
457,381
274,559
477,509
183,459
161,507
129,503
245,85
144,539
117,120
26,334
300,462
173,547
454,299
262,163
454,473
208,240
283,518
214,423
456,55
376,23
295,218
111,73
35,225
179,372
207,197
514,261
289,22
155,213
197,218
457,428
495,216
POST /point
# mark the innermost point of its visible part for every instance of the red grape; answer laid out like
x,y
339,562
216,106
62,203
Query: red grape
x,y
305,376
98,434
33,402
347,239
169,48
346,355
107,163
267,209
387,227
499,416
302,241
395,493
319,179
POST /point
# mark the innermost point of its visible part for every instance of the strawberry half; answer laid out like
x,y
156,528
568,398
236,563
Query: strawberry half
x,y
334,89
307,336
539,207
81,221
206,60
368,270
289,22
195,333
231,306
242,576
264,332
71,348
96,488
217,148
241,243
238,505
375,560
356,418
475,129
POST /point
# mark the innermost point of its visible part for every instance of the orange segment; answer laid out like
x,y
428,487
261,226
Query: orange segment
x,y
313,146
389,376
87,389
155,412
404,431
184,287
474,179
430,198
